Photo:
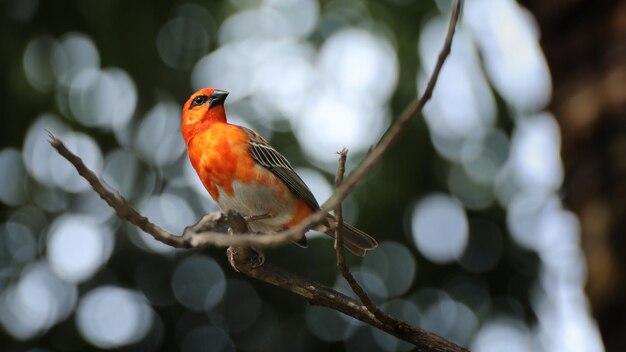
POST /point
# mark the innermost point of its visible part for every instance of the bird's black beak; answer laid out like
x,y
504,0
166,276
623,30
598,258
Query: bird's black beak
x,y
217,98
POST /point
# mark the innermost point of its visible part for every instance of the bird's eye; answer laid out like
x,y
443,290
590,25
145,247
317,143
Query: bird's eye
x,y
199,100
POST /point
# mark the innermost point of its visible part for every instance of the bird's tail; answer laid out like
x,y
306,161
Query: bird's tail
x,y
355,240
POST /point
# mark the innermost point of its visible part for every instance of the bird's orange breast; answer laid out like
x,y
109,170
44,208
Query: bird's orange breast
x,y
220,154
221,157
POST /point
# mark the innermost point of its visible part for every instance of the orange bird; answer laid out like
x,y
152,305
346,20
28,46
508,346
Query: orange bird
x,y
243,172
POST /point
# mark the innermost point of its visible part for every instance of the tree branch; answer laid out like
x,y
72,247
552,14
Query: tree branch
x,y
211,238
341,169
249,261
340,250
390,137
116,201
320,295
399,126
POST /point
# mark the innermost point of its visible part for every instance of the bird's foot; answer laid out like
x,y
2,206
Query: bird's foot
x,y
249,256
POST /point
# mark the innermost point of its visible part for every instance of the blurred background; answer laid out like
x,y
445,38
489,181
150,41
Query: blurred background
x,y
500,212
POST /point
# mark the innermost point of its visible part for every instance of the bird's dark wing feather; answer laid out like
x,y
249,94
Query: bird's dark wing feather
x,y
271,159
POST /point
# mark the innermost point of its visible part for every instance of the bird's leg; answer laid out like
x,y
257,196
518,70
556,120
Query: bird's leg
x,y
257,217
251,256
244,255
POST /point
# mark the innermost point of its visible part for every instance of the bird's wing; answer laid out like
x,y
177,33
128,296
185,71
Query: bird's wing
x,y
271,159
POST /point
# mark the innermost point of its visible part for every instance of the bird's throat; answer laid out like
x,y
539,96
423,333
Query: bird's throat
x,y
197,123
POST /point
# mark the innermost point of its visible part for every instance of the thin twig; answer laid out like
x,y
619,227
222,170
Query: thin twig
x,y
340,250
316,294
320,295
212,238
200,235
204,233
341,169
390,137
248,261
114,200
398,127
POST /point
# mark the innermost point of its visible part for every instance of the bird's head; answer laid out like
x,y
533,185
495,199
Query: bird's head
x,y
202,109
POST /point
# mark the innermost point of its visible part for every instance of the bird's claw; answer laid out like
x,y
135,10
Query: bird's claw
x,y
254,258
258,259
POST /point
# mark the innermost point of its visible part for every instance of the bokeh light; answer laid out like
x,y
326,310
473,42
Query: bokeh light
x,y
440,228
37,63
318,184
289,65
332,122
103,98
181,41
78,246
47,166
71,55
272,19
360,63
535,153
169,211
472,112
36,302
394,264
121,171
198,283
36,150
503,334
155,143
110,317
509,41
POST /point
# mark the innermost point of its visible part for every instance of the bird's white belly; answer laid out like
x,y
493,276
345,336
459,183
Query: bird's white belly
x,y
255,199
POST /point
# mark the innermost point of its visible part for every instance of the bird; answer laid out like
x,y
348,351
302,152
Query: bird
x,y
243,172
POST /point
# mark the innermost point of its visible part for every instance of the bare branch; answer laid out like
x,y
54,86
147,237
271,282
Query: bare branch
x,y
210,238
245,259
114,200
248,260
340,250
320,295
392,134
399,126
341,169
197,236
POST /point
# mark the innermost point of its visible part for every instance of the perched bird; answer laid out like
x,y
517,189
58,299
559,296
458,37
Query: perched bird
x,y
243,172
